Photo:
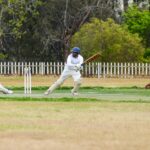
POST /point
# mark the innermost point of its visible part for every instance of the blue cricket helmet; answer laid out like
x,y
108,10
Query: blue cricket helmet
x,y
76,50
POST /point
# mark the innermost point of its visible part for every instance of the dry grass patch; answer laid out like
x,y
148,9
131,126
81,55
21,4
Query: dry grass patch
x,y
74,126
48,80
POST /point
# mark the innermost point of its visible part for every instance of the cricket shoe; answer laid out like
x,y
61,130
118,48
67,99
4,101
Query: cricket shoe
x,y
8,92
47,92
74,93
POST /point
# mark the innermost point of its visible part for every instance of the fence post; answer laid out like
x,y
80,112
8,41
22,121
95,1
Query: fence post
x,y
36,68
32,67
58,66
118,69
12,68
54,65
104,70
18,68
132,71
98,70
142,68
111,69
1,68
114,70
125,71
61,67
47,68
107,70
86,65
135,65
121,69
22,68
89,70
43,68
51,68
128,69
4,67
146,69
7,69
93,68
40,68
15,68
139,70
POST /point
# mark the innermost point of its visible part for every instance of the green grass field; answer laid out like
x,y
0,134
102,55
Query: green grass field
x,y
119,94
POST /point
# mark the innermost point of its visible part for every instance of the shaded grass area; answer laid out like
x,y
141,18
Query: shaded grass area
x,y
66,99
70,87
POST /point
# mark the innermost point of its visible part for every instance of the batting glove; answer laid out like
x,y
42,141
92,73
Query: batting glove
x,y
78,67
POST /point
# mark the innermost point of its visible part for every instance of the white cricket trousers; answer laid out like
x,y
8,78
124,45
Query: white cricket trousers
x,y
76,75
65,75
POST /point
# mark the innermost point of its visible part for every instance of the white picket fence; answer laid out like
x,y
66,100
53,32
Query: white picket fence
x,y
98,69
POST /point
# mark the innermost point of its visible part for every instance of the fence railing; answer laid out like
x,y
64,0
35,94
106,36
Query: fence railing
x,y
98,69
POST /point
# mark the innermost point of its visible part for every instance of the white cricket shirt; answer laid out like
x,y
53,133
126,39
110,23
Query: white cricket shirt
x,y
72,61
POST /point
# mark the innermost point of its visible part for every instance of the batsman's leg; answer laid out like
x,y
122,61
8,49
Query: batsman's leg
x,y
54,86
76,87
65,74
57,84
77,82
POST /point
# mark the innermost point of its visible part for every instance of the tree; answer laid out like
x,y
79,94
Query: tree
x,y
138,21
60,20
112,40
42,29
16,22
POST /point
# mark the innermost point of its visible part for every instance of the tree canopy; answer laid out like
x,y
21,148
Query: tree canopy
x,y
115,42
17,20
41,30
138,21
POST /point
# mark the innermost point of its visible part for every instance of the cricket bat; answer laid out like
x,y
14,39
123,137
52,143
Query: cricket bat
x,y
90,59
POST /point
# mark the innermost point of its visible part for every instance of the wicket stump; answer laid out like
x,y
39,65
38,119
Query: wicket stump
x,y
27,81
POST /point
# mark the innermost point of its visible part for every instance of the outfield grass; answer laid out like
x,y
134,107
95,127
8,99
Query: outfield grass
x,y
84,125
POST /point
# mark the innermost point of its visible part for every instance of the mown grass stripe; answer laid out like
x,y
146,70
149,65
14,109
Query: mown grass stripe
x,y
66,99
82,88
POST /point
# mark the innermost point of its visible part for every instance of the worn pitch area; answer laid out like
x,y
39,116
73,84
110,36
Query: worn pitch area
x,y
109,94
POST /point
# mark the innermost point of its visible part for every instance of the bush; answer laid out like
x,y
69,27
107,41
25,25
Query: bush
x,y
115,42
138,21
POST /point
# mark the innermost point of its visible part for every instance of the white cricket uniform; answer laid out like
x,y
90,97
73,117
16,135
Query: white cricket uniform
x,y
69,70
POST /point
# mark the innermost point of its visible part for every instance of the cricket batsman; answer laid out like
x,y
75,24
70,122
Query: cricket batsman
x,y
5,90
72,69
